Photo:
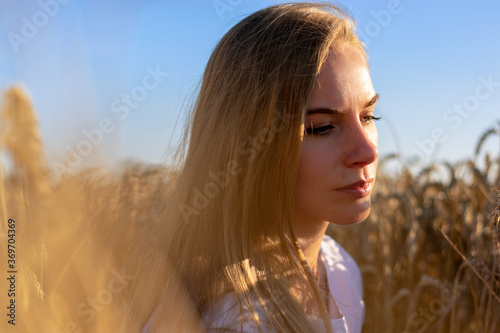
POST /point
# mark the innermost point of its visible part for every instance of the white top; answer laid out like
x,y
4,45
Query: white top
x,y
346,287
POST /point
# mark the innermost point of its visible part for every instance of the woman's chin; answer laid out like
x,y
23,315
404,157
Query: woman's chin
x,y
354,215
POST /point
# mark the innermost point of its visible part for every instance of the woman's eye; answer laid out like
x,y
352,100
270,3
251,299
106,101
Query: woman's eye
x,y
322,130
370,119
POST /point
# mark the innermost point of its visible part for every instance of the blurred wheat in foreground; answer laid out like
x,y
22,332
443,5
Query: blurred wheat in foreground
x,y
429,252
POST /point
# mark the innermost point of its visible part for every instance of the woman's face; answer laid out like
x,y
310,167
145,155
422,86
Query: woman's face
x,y
340,144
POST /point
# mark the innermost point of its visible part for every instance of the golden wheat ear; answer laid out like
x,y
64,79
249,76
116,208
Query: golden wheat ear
x,y
495,230
20,138
495,214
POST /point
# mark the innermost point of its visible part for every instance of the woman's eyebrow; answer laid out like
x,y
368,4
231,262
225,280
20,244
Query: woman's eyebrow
x,y
371,102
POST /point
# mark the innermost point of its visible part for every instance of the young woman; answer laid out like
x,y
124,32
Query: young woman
x,y
281,143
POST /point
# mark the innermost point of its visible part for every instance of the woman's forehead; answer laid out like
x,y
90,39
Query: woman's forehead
x,y
344,78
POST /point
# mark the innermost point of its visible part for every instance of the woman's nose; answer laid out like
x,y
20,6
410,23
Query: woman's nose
x,y
361,146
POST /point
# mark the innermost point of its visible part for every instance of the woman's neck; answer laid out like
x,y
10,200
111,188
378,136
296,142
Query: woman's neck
x,y
310,234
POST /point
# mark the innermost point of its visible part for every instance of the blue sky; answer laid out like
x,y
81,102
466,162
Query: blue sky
x,y
434,63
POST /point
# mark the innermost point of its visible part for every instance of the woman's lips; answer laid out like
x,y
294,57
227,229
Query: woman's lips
x,y
359,189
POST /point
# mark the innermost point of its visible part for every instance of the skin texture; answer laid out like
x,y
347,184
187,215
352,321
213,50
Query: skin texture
x,y
346,154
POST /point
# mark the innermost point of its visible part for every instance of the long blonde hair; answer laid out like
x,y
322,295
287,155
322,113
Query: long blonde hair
x,y
228,226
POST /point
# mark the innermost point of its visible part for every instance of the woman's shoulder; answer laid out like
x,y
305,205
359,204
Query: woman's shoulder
x,y
335,254
340,264
229,315
345,282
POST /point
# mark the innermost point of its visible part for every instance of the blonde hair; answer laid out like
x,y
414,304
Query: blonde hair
x,y
228,227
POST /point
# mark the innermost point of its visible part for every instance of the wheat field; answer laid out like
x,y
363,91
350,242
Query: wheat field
x,y
429,251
